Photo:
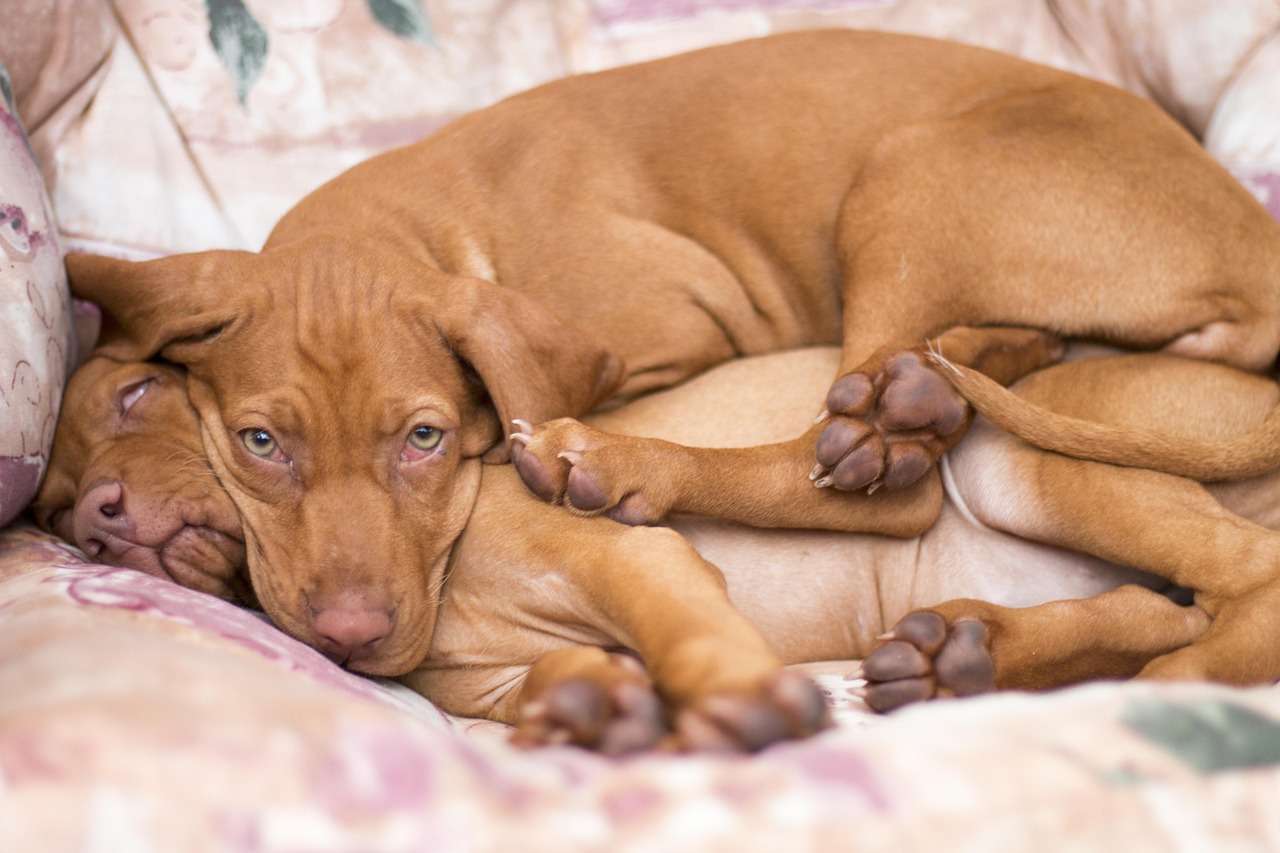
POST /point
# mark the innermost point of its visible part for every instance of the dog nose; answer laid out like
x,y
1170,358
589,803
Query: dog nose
x,y
351,633
100,517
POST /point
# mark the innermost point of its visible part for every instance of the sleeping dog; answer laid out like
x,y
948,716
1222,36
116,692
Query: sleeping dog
x,y
618,638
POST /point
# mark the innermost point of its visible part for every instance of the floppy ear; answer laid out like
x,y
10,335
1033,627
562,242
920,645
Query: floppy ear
x,y
153,305
534,365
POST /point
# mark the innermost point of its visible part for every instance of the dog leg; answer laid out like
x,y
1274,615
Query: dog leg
x,y
723,686
995,216
566,582
966,647
642,481
637,481
1168,526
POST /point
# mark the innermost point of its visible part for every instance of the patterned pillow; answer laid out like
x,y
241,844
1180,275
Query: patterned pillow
x,y
37,343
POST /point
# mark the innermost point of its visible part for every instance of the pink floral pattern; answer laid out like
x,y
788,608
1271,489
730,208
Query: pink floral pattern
x,y
147,716
35,313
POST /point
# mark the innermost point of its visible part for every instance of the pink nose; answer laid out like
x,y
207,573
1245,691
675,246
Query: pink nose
x,y
100,518
348,634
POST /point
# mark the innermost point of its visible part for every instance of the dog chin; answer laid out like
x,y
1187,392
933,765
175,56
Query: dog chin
x,y
383,666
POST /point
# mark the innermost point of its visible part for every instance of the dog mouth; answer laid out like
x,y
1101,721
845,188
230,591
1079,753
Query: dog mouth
x,y
207,559
196,556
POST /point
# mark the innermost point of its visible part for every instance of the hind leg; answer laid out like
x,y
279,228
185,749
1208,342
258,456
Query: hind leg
x,y
1167,526
966,647
1004,216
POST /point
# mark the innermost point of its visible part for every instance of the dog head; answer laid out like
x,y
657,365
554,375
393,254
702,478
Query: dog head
x,y
346,395
129,483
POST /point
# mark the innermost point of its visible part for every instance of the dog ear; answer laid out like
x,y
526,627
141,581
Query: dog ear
x,y
150,306
534,365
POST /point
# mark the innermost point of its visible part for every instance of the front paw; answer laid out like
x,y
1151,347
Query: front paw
x,y
594,473
612,718
888,424
925,657
787,706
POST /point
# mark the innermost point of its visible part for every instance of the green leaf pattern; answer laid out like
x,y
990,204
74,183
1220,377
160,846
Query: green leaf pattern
x,y
1210,735
240,42
404,18
6,89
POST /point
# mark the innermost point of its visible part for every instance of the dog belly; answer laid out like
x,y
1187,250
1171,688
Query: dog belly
x,y
961,558
818,595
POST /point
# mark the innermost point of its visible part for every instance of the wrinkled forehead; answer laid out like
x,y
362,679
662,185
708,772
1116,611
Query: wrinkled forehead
x,y
327,305
357,345
92,421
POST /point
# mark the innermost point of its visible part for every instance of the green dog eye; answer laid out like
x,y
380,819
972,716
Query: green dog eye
x,y
259,442
424,438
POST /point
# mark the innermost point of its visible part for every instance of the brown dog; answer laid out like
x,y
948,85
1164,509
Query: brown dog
x,y
530,628
610,234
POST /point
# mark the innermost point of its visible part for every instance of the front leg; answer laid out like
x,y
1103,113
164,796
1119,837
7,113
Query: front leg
x,y
638,481
723,686
889,419
585,631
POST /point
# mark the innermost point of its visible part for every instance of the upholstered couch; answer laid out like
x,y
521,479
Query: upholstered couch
x,y
137,715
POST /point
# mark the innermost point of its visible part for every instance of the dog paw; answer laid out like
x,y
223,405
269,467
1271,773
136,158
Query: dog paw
x,y
924,657
888,424
613,719
594,473
788,706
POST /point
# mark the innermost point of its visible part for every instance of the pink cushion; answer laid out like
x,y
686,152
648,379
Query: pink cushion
x,y
35,314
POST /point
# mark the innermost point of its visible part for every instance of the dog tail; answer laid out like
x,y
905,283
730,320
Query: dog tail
x,y
1249,455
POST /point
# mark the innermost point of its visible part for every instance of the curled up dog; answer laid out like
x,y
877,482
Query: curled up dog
x,y
611,234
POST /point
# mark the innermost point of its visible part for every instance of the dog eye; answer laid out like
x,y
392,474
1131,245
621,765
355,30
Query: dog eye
x,y
424,438
132,394
259,442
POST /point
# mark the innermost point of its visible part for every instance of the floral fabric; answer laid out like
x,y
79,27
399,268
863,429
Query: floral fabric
x,y
37,343
138,715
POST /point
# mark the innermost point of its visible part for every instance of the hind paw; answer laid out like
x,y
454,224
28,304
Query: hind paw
x,y
888,424
925,657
